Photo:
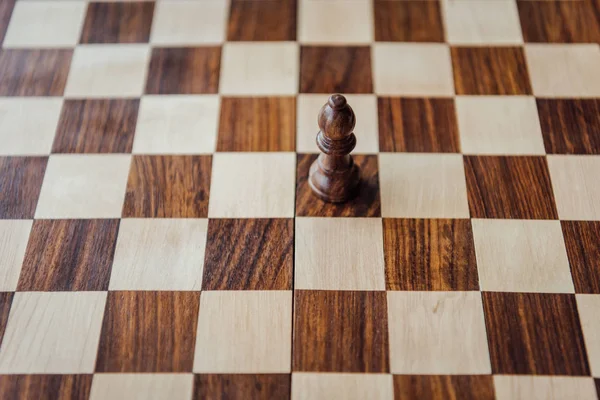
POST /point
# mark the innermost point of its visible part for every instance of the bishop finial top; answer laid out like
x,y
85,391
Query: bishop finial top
x,y
336,118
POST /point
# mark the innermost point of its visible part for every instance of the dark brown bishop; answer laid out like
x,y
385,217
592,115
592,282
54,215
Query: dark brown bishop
x,y
333,176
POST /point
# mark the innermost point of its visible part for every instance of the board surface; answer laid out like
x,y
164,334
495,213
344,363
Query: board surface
x,y
158,237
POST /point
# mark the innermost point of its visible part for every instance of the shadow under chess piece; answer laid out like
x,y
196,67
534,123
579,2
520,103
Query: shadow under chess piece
x,y
333,176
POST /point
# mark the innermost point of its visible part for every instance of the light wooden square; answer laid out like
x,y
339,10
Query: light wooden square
x,y
244,332
309,386
14,235
499,125
564,70
411,69
544,387
159,254
28,125
437,333
84,186
423,185
251,68
177,125
327,255
575,185
482,22
117,70
39,24
142,386
335,22
589,309
366,130
189,22
55,333
252,185
521,256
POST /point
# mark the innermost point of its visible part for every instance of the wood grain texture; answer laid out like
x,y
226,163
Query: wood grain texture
x,y
168,187
241,386
69,255
257,123
451,387
148,332
340,331
142,386
20,184
262,20
52,333
570,126
366,204
184,70
249,254
534,333
417,125
490,70
5,302
326,256
255,337
408,21
339,69
34,72
118,22
6,9
347,386
560,21
429,254
45,387
509,187
582,240
96,126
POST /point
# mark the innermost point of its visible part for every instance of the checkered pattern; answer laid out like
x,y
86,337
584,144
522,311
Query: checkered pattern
x,y
158,238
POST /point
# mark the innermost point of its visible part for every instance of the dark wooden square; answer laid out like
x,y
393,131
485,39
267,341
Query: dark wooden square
x,y
249,254
20,184
96,126
340,331
463,387
509,187
335,69
6,9
262,20
257,124
242,386
417,125
490,71
148,332
534,333
560,21
45,387
184,70
366,204
5,303
429,254
118,22
582,240
570,126
34,72
69,255
168,187
408,21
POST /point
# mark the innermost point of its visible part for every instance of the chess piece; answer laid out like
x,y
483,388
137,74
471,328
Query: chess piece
x,y
333,176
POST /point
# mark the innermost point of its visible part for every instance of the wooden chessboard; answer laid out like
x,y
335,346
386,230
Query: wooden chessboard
x,y
158,238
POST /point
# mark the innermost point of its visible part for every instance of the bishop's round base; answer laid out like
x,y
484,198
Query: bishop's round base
x,y
336,187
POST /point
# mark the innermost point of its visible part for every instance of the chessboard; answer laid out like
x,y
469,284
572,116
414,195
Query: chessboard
x,y
159,239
